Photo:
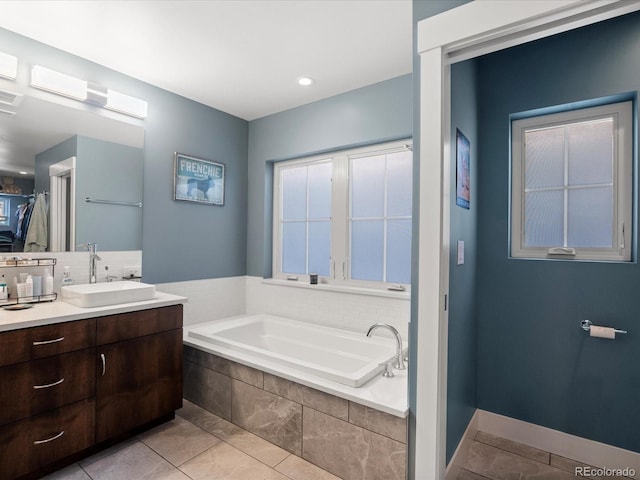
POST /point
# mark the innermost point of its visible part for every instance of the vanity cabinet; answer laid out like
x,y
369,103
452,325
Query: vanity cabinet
x,y
69,388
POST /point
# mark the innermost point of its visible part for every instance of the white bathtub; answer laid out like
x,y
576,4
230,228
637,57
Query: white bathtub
x,y
341,356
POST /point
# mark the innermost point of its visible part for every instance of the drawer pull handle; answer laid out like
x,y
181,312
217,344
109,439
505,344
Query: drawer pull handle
x,y
38,387
104,363
46,342
38,442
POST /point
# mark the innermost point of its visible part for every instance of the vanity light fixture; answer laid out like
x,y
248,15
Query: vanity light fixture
x,y
88,92
305,81
8,66
23,173
60,83
119,102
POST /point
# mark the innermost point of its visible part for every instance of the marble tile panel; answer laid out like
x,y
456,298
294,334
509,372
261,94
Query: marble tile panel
x,y
513,447
246,374
269,416
224,462
72,472
198,416
349,451
326,403
283,387
249,443
134,462
296,468
207,389
379,422
206,359
178,440
499,464
467,475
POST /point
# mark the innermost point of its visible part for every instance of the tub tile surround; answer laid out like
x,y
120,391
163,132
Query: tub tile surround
x,y
344,310
347,439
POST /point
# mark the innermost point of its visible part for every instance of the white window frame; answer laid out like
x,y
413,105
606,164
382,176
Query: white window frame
x,y
622,115
5,220
340,271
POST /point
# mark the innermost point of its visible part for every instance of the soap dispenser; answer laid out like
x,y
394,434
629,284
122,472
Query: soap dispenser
x,y
66,278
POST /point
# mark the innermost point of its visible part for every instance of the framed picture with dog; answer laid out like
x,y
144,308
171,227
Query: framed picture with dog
x,y
198,180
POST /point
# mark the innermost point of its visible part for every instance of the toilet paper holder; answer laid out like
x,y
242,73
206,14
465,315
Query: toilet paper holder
x,y
586,326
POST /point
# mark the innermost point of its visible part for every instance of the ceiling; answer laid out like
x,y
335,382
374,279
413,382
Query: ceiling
x,y
240,56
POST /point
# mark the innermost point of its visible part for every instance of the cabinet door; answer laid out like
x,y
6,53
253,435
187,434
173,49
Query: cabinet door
x,y
139,381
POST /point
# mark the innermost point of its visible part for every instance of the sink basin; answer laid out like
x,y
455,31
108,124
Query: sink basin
x,y
111,293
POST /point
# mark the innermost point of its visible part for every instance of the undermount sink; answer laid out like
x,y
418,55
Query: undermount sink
x,y
110,293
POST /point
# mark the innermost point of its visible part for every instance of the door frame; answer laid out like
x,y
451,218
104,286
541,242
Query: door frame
x,y
471,30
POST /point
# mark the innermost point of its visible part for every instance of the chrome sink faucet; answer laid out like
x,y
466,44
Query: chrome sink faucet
x,y
398,364
94,258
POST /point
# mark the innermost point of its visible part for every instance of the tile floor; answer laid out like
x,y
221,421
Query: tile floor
x,y
195,445
487,457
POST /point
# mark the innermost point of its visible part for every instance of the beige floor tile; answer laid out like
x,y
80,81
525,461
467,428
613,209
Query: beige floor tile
x,y
109,452
498,464
72,472
134,462
178,440
467,475
298,469
249,443
514,447
224,462
198,416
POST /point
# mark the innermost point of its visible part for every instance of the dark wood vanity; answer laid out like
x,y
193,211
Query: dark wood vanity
x,y
69,389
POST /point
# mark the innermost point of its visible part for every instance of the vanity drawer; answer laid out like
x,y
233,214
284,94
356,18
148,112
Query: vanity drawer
x,y
115,328
38,342
30,388
33,443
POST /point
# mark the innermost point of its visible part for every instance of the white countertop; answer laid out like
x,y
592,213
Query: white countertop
x,y
48,313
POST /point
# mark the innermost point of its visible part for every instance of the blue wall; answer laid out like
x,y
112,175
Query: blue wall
x,y
181,240
535,363
371,114
463,323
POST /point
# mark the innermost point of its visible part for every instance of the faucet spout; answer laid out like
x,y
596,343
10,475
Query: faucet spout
x,y
399,361
94,258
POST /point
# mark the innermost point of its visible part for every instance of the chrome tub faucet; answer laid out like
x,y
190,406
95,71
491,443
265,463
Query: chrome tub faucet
x,y
398,363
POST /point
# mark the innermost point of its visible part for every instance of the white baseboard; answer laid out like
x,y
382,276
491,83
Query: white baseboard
x,y
560,443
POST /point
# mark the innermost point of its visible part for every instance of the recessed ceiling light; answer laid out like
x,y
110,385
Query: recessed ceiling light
x,y
305,81
23,173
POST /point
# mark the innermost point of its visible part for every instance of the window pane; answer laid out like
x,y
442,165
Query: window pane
x,y
591,153
591,217
294,245
320,191
320,248
399,183
399,251
367,186
544,154
294,193
367,247
544,219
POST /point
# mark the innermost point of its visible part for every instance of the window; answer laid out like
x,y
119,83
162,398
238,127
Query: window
x,y
4,212
345,216
572,184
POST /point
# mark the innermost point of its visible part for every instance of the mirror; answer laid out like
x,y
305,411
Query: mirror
x,y
107,155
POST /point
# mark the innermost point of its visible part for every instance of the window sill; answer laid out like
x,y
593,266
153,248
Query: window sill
x,y
326,287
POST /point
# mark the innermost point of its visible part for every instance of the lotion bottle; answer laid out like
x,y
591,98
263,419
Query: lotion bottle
x,y
29,287
47,288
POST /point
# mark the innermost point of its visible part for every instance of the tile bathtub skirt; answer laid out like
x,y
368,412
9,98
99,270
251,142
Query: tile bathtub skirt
x,y
345,438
